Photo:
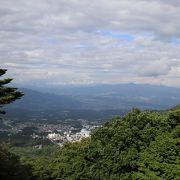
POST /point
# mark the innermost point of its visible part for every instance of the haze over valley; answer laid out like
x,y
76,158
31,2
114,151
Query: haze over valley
x,y
91,102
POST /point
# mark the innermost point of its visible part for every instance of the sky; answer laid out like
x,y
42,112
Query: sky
x,y
59,42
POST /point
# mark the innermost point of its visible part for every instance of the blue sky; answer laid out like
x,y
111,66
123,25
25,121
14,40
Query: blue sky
x,y
84,42
116,35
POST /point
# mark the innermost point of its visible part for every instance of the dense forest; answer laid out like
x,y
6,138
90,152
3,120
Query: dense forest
x,y
139,145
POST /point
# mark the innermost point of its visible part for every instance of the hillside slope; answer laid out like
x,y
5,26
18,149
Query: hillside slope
x,y
140,145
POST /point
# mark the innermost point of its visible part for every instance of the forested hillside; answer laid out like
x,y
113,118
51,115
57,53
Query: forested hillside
x,y
11,168
140,145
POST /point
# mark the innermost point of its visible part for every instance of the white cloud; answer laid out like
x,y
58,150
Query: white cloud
x,y
86,41
37,53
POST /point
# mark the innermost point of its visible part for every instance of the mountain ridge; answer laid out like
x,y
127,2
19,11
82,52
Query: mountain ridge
x,y
117,96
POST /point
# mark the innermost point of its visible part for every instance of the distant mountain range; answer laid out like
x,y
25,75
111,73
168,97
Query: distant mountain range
x,y
96,98
124,96
118,96
39,101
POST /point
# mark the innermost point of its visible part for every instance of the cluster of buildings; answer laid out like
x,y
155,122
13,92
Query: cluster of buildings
x,y
69,136
57,133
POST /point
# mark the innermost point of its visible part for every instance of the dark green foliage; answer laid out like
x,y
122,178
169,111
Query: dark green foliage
x,y
7,94
174,117
140,145
160,160
11,168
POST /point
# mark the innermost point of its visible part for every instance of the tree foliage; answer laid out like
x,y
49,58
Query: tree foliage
x,y
7,94
11,168
140,145
10,165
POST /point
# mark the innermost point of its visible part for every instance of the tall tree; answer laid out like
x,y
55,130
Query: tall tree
x,y
7,94
10,164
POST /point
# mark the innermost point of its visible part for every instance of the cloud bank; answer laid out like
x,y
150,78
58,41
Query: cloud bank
x,y
86,42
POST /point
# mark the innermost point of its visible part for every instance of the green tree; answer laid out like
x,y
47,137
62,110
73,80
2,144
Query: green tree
x,y
10,165
11,168
7,94
140,145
